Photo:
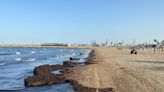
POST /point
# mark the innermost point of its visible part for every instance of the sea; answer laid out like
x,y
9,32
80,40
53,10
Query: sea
x,y
18,63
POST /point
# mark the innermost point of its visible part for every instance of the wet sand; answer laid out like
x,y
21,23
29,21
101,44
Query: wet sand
x,y
121,72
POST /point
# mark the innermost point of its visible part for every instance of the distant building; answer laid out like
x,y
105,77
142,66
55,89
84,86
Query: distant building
x,y
54,44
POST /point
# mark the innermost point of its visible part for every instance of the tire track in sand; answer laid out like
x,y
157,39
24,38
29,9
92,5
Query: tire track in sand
x,y
97,83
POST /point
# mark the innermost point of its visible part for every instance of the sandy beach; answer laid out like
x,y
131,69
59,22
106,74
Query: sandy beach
x,y
121,71
81,46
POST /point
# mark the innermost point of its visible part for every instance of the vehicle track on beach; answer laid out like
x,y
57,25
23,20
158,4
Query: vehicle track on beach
x,y
131,76
122,72
97,79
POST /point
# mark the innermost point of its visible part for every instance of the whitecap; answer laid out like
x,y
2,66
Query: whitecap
x,y
33,52
74,54
18,53
30,60
18,59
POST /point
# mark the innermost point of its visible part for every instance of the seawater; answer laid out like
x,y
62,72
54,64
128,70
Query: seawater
x,y
18,63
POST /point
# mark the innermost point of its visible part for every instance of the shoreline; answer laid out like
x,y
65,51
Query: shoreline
x,y
79,86
68,68
61,67
113,70
43,74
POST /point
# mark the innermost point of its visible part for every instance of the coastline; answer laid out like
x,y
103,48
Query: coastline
x,y
86,79
42,75
113,70
66,53
68,68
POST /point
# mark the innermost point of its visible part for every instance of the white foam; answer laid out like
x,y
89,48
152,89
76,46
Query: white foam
x,y
18,59
30,60
33,52
18,53
74,54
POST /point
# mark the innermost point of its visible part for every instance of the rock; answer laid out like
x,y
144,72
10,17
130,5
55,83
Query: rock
x,y
73,58
58,67
54,79
43,75
34,81
67,70
47,79
47,69
71,64
42,70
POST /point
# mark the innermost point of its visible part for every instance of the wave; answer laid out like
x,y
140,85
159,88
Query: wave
x,y
18,53
6,53
74,54
2,64
33,52
30,60
58,56
40,51
18,59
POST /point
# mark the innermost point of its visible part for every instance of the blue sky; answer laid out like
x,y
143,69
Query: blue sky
x,y
40,21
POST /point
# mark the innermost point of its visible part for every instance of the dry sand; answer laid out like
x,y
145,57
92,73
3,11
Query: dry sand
x,y
123,72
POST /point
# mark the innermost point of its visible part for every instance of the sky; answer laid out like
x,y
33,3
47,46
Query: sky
x,y
81,21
